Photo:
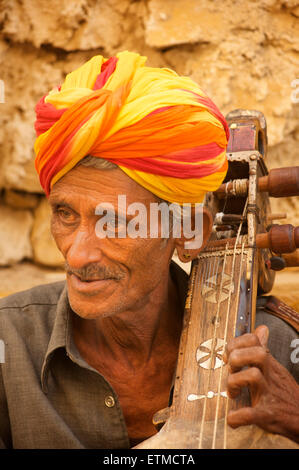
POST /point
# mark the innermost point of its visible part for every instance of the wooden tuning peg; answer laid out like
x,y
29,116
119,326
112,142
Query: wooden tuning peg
x,y
280,239
281,182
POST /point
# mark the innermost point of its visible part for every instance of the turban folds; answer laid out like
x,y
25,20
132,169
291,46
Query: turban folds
x,y
159,128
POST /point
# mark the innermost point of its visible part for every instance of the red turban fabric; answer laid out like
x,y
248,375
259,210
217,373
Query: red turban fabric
x,y
159,128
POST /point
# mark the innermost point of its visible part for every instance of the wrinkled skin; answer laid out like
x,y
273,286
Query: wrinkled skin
x,y
274,392
127,321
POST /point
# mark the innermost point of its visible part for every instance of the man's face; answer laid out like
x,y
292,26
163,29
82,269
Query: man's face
x,y
105,276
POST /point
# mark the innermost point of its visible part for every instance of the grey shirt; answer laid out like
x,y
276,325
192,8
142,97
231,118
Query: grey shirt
x,y
49,396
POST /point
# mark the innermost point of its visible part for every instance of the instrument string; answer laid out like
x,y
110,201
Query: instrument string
x,y
231,284
224,343
203,281
210,263
212,349
205,276
200,276
234,334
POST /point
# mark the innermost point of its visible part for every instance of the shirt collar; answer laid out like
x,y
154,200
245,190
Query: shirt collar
x,y
61,336
58,337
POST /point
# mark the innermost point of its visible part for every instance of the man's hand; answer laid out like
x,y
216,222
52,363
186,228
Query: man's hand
x,y
274,392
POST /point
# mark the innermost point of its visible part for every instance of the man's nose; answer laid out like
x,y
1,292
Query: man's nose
x,y
84,249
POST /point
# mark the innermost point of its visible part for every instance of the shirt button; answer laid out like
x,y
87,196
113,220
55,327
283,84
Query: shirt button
x,y
109,401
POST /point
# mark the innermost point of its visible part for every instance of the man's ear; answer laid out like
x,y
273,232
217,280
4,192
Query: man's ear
x,y
186,253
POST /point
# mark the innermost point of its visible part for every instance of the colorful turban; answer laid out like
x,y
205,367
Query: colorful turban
x,y
159,128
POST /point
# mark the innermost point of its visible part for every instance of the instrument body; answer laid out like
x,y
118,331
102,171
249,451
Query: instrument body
x,y
224,283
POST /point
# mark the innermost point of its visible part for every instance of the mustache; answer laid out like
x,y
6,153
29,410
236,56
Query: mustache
x,y
95,271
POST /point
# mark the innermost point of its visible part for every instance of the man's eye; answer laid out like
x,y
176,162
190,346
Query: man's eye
x,y
65,215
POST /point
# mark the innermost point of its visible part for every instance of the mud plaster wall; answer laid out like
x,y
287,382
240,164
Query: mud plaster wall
x,y
245,54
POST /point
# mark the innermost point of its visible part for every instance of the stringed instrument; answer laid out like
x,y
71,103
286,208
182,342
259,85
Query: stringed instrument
x,y
237,264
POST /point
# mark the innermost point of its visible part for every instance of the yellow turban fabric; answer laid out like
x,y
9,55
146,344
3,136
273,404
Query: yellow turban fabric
x,y
159,128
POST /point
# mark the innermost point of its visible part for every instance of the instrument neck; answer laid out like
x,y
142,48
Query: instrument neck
x,y
218,306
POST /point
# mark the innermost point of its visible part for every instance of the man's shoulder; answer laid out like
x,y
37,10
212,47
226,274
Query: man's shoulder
x,y
44,294
37,305
27,319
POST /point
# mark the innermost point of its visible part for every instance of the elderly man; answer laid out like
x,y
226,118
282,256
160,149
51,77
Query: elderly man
x,y
88,362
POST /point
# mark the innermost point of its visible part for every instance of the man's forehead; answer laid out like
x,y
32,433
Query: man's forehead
x,y
98,186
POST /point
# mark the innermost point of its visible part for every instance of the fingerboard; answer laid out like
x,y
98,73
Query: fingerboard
x,y
216,311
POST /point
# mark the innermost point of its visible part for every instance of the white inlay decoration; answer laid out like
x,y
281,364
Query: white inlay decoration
x,y
208,358
210,394
211,288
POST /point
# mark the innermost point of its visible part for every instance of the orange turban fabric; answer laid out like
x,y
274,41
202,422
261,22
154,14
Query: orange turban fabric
x,y
159,128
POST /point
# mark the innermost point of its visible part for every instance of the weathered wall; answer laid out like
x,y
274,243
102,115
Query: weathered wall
x,y
244,53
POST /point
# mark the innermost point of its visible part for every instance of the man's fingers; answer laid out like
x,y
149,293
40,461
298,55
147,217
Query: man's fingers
x,y
252,378
242,417
245,341
248,340
256,356
262,332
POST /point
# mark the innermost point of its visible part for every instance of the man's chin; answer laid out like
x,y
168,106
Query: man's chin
x,y
93,301
90,309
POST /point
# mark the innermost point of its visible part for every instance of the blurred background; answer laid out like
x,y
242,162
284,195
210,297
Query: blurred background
x,y
244,54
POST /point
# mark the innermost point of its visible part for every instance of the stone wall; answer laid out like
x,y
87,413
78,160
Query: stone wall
x,y
243,53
